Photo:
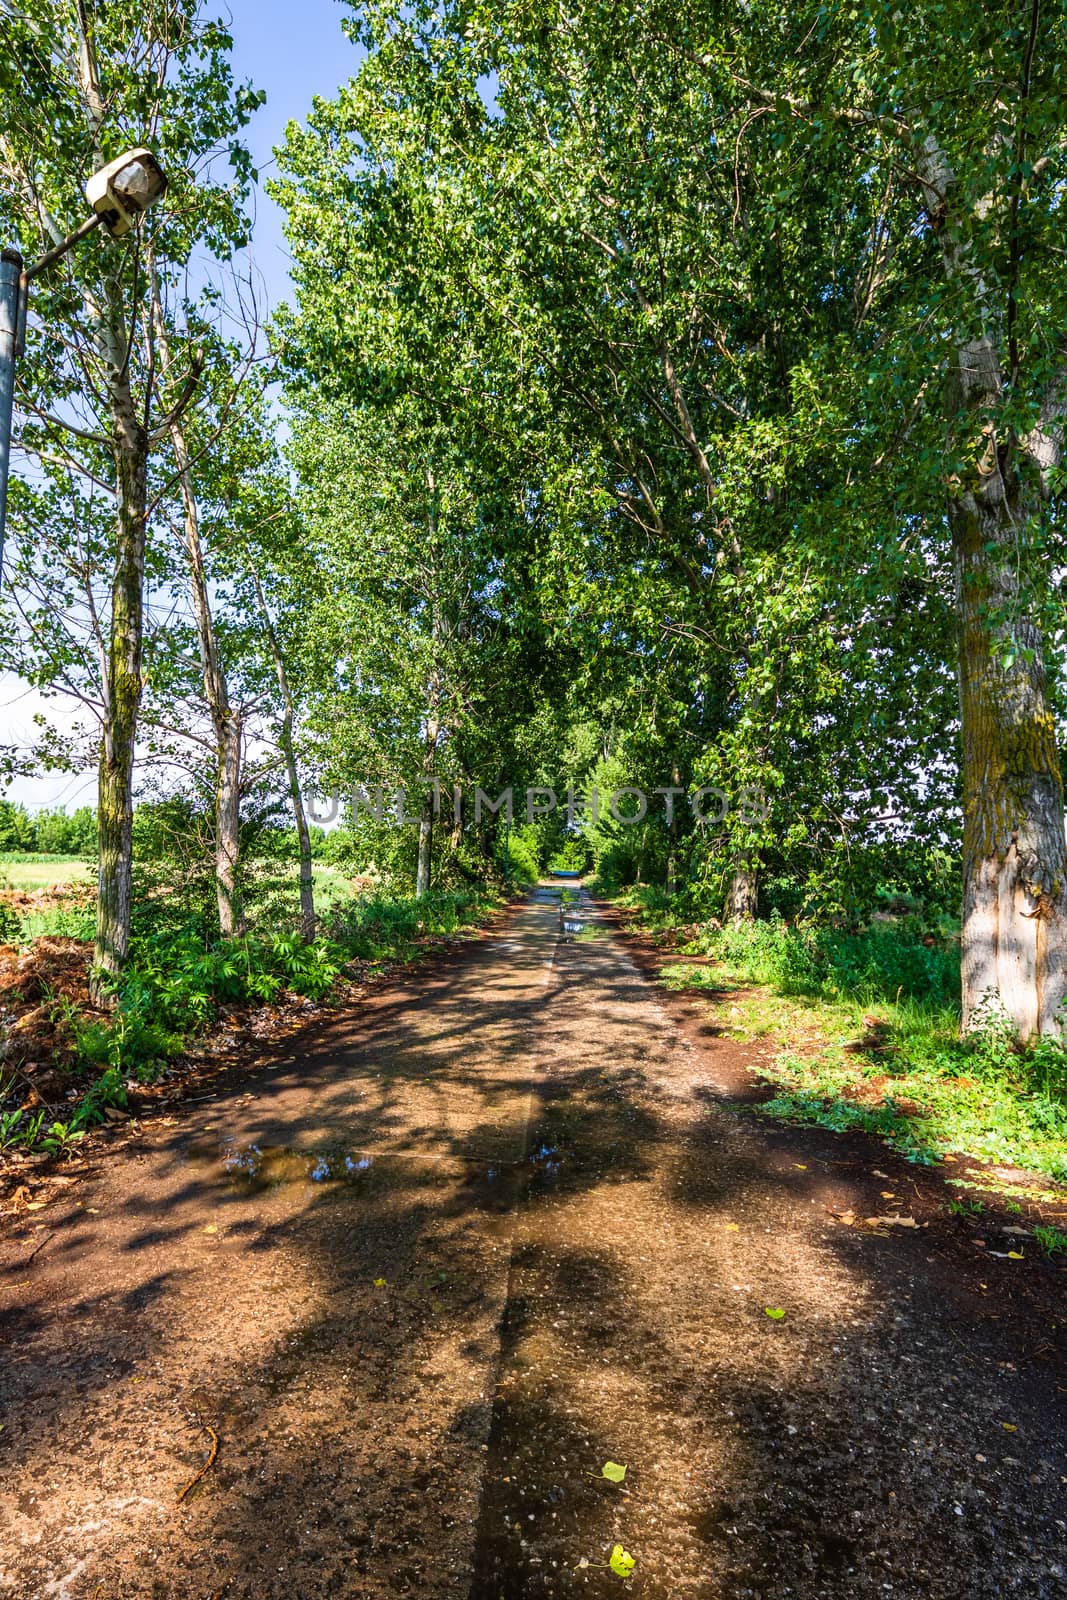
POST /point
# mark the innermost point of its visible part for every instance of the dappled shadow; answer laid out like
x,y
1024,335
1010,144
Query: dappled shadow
x,y
394,1257
854,1447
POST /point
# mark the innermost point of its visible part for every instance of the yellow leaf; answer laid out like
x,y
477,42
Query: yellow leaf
x,y
1009,1427
379,1283
621,1561
1016,1255
774,1312
731,1227
801,1166
211,1228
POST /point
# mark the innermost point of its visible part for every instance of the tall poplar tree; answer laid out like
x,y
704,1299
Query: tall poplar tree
x,y
79,83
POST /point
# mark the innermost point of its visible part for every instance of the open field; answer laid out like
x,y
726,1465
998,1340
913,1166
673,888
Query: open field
x,y
331,886
28,874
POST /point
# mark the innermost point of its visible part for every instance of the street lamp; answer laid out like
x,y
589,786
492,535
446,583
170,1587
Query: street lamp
x,y
118,194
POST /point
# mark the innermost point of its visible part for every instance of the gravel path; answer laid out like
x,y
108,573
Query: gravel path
x,y
435,1266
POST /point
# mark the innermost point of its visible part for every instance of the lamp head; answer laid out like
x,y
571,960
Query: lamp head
x,y
125,188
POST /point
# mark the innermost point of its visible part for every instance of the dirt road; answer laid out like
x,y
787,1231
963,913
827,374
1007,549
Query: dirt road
x,y
423,1276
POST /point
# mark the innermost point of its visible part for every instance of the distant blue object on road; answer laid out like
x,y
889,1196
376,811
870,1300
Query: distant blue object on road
x,y
566,874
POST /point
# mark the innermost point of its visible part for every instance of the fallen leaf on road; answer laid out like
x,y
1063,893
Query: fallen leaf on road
x,y
211,1228
1009,1427
774,1312
732,1227
1016,1255
621,1561
613,1471
379,1283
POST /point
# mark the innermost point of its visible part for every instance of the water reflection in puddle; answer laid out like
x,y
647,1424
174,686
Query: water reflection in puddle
x,y
253,1168
546,1161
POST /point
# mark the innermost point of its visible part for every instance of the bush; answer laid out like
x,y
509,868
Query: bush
x,y
573,856
380,928
884,963
524,862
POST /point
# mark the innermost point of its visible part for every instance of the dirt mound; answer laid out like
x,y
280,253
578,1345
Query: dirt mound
x,y
41,990
48,898
50,969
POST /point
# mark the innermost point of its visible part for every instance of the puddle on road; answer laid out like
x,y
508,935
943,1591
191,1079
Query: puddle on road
x,y
547,1164
255,1168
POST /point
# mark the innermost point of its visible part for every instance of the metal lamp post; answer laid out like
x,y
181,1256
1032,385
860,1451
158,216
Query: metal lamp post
x,y
119,193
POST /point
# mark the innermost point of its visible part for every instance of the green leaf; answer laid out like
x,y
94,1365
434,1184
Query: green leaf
x,y
774,1312
613,1471
621,1561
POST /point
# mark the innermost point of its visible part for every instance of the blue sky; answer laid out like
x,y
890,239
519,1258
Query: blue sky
x,y
293,51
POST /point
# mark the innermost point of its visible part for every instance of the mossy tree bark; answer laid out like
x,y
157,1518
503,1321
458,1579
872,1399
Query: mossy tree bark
x,y
122,690
1014,933
1014,914
743,893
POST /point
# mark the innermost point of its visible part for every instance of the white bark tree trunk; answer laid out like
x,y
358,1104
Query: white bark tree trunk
x,y
1014,928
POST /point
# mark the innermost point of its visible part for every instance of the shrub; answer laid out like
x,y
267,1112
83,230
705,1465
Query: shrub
x,y
883,963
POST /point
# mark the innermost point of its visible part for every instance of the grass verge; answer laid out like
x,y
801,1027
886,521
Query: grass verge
x,y
860,1031
57,1052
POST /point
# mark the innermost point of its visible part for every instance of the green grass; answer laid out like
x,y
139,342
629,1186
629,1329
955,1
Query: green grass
x,y
176,981
860,1031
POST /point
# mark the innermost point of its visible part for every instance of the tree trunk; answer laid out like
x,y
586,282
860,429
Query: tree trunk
x,y
455,838
1014,942
1014,933
672,839
113,330
422,873
227,722
228,825
743,893
288,749
429,806
431,795
303,837
122,695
